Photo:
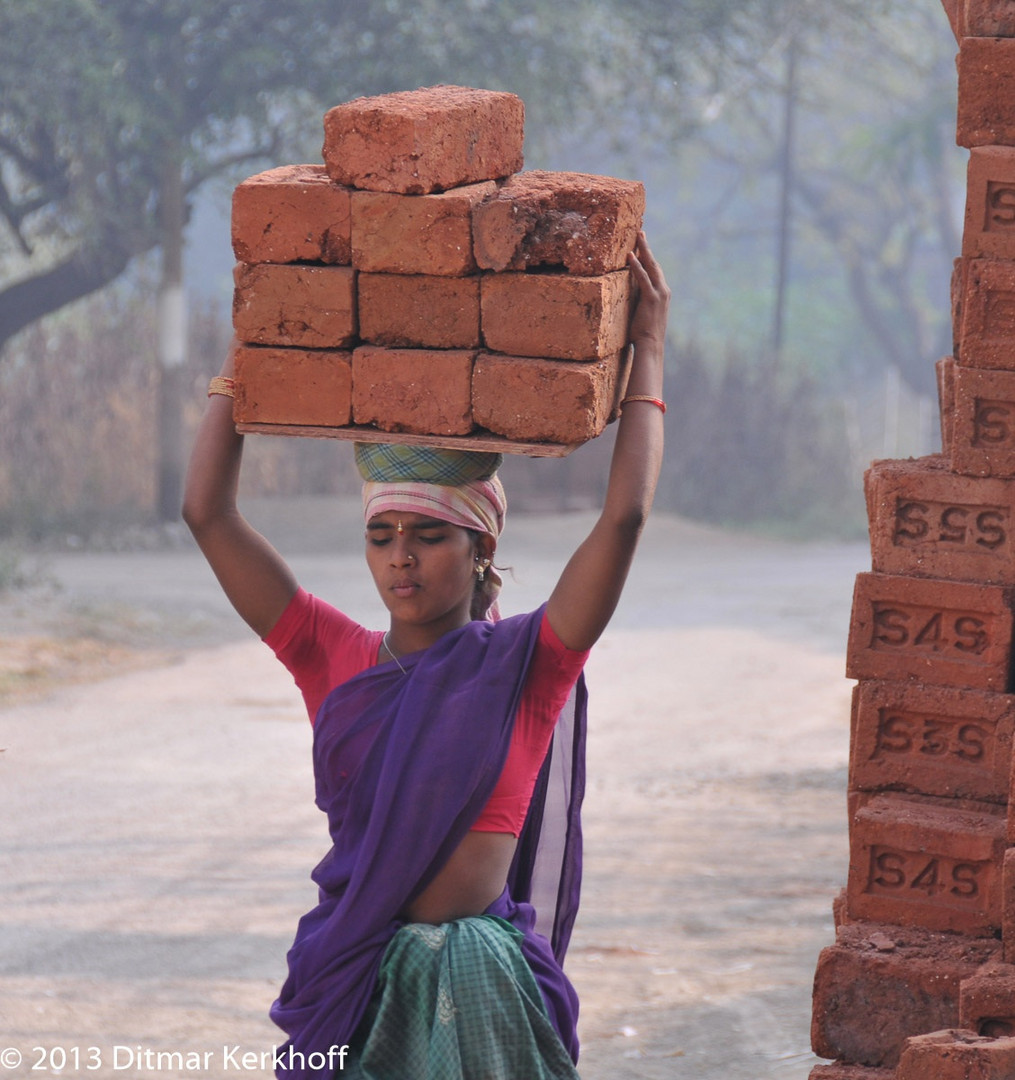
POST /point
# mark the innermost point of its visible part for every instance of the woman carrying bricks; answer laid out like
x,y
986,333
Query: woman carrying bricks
x,y
448,750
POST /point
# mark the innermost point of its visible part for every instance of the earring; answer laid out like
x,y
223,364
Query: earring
x,y
481,565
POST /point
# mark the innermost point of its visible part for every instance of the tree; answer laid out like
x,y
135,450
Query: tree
x,y
874,180
113,113
128,106
105,102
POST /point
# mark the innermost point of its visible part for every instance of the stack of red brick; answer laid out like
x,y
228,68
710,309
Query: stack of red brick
x,y
418,286
920,984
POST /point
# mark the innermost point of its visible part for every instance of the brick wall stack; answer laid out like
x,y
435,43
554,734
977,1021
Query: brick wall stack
x,y
418,286
920,983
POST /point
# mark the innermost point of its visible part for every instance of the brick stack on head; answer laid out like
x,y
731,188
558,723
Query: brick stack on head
x,y
920,984
419,286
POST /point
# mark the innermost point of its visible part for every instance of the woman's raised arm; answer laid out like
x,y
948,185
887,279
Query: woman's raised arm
x,y
589,588
255,577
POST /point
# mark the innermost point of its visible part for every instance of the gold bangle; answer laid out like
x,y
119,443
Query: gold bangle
x,y
222,385
658,402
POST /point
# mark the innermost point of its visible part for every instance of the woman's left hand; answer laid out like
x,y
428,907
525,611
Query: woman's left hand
x,y
652,297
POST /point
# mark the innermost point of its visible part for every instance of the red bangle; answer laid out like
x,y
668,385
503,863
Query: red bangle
x,y
658,402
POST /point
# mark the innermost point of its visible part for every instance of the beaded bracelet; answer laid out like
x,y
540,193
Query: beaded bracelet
x,y
658,402
222,385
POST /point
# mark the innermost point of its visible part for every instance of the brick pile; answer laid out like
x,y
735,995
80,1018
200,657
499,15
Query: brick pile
x,y
920,983
419,287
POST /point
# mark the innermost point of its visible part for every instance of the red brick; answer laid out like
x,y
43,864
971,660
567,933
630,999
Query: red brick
x,y
915,862
309,306
928,521
933,740
417,391
869,998
419,311
987,1001
415,234
420,141
987,335
293,386
1008,879
294,213
986,69
956,16
945,371
585,224
983,435
986,18
957,295
555,401
956,1055
553,316
989,229
946,633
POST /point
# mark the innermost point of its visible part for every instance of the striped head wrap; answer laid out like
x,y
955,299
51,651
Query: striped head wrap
x,y
457,486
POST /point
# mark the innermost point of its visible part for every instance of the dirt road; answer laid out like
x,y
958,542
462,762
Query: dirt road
x,y
158,827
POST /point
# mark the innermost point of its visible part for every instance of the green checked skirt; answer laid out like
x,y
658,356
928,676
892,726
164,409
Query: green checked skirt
x,y
457,1002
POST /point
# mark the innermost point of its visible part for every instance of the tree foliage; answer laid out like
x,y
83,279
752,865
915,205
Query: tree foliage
x,y
875,182
99,99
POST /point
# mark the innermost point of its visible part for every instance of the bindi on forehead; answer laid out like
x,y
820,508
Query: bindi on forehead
x,y
404,525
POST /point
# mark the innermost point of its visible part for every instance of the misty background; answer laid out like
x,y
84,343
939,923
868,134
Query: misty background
x,y
805,197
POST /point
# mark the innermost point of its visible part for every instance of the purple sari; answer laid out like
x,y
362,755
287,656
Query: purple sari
x,y
404,764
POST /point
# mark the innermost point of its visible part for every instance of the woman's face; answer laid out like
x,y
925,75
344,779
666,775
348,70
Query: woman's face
x,y
424,568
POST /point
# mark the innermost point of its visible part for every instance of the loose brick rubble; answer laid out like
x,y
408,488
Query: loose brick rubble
x,y
957,1055
987,1001
880,984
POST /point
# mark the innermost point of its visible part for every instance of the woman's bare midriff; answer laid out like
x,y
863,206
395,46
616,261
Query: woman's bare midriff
x,y
469,882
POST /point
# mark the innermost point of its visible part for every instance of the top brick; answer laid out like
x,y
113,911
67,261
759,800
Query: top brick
x,y
420,141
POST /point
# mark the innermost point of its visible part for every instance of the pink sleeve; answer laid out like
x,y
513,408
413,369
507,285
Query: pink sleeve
x,y
320,647
553,670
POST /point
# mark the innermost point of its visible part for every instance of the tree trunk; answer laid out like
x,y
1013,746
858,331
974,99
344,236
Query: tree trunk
x,y
784,239
83,273
172,336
